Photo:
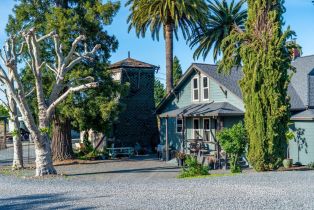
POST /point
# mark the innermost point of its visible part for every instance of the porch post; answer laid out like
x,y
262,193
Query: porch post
x,y
183,132
167,149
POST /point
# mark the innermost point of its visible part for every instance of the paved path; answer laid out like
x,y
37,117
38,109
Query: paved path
x,y
150,184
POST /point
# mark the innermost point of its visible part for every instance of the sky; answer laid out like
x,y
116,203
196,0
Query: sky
x,y
299,16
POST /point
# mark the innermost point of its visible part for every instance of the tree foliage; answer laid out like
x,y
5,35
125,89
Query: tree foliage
x,y
159,91
222,19
261,48
70,18
234,142
177,70
4,112
170,16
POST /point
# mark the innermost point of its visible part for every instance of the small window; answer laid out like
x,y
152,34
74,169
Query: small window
x,y
195,90
179,125
205,88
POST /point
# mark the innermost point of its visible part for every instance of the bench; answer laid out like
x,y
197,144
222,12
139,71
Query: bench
x,y
114,152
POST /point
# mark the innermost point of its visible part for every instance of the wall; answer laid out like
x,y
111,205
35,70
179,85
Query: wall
x,y
304,131
137,123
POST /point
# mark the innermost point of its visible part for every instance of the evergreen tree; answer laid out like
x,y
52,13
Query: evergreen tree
x,y
71,18
159,92
266,60
177,70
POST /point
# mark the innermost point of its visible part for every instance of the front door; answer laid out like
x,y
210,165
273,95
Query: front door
x,y
196,128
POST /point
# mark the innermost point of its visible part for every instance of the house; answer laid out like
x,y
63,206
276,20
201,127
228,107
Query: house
x,y
205,102
137,124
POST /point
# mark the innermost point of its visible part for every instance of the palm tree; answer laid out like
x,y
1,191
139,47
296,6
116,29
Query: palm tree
x,y
168,15
222,19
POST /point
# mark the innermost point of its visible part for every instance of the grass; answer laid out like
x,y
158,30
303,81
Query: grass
x,y
208,176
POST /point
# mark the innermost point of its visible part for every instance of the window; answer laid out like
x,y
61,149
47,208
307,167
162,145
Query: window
x,y
206,124
196,128
179,125
207,132
205,88
195,90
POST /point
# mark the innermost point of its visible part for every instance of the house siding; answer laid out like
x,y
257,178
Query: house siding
x,y
184,98
184,95
305,154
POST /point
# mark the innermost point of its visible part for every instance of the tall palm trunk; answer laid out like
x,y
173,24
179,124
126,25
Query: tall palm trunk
x,y
61,139
169,56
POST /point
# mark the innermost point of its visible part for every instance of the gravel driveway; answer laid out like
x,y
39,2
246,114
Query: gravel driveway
x,y
152,184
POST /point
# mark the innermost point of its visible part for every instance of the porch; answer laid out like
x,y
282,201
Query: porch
x,y
193,129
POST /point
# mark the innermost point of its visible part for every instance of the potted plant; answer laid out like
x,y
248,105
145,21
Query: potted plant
x,y
287,162
180,156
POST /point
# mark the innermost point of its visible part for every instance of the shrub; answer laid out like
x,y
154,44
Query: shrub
x,y
311,165
233,141
193,168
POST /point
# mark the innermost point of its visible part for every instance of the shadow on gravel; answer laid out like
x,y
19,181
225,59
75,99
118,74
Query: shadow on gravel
x,y
135,170
39,201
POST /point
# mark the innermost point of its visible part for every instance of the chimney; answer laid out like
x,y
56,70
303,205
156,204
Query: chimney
x,y
129,54
295,53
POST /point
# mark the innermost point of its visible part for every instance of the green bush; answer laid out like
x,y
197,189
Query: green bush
x,y
311,165
233,141
193,168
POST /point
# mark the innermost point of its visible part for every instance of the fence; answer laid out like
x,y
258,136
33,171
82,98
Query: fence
x,y
6,154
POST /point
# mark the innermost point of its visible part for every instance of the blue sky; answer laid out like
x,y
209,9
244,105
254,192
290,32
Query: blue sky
x,y
299,15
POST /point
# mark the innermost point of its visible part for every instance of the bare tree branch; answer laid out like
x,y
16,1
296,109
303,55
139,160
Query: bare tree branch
x,y
68,92
52,33
30,92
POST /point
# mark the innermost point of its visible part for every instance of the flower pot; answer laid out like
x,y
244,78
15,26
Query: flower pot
x,y
287,163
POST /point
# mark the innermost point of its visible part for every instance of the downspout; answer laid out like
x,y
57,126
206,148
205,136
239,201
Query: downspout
x,y
183,136
167,147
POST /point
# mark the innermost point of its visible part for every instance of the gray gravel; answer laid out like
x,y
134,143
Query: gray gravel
x,y
277,190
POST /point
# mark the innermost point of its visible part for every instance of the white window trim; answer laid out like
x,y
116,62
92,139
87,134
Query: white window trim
x,y
210,136
203,88
199,127
198,89
177,124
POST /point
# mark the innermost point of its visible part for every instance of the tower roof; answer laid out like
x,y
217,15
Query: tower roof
x,y
131,63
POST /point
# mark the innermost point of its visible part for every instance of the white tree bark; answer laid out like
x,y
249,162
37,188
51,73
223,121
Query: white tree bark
x,y
45,105
17,141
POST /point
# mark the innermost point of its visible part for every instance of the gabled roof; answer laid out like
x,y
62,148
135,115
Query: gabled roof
x,y
304,66
131,63
305,115
297,89
205,110
230,81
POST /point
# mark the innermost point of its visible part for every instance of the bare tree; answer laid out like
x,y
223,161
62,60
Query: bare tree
x,y
45,105
17,141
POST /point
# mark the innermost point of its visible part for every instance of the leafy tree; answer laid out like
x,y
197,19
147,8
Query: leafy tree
x,y
262,50
159,92
4,111
233,141
177,70
169,15
71,18
222,19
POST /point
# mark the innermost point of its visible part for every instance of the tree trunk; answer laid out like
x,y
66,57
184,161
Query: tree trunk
x,y
44,164
61,139
17,141
17,146
169,56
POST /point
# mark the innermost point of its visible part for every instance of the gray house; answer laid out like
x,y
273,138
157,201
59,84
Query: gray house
x,y
205,101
